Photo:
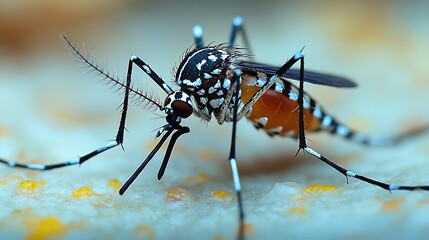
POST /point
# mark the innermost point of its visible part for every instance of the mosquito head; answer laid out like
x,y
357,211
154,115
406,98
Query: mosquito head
x,y
178,104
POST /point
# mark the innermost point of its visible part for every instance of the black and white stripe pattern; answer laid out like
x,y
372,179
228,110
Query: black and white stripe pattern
x,y
348,173
78,160
328,122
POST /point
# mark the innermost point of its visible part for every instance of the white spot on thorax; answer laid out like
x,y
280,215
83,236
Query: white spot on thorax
x,y
201,92
196,83
203,100
207,76
199,65
216,71
212,58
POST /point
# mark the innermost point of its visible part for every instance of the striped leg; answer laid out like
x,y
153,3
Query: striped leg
x,y
232,159
283,69
237,28
197,31
343,131
120,134
348,173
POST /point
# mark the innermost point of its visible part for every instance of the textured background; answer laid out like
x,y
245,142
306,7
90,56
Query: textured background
x,y
52,110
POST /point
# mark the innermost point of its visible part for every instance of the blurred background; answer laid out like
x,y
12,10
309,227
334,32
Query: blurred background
x,y
52,109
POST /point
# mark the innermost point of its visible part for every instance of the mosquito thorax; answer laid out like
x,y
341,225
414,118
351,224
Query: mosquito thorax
x,y
179,103
205,75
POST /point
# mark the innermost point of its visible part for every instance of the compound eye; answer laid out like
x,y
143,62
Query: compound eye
x,y
181,108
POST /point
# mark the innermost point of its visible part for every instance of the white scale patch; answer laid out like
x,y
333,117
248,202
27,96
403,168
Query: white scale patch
x,y
165,86
293,96
196,83
226,83
327,121
262,120
217,85
306,102
342,130
275,130
317,111
213,89
260,82
212,58
215,103
203,100
199,65
201,92
146,69
207,76
216,71
206,111
278,88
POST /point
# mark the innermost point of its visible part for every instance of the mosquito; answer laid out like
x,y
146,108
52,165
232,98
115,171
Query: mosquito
x,y
221,81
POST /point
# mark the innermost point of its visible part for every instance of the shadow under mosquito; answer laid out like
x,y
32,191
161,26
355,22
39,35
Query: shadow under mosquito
x,y
274,164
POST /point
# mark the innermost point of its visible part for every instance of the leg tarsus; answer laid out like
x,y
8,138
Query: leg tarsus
x,y
348,173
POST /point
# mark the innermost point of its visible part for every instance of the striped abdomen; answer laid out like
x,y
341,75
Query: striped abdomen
x,y
277,112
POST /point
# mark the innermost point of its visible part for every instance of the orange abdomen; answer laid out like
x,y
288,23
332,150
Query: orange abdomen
x,y
279,109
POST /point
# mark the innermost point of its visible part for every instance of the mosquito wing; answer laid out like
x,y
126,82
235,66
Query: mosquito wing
x,y
309,76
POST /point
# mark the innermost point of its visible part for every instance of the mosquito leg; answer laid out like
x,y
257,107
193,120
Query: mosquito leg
x,y
348,173
283,69
173,139
120,134
237,28
118,140
197,31
145,162
232,159
302,142
149,71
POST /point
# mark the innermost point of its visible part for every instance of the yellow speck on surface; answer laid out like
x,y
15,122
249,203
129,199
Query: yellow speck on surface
x,y
30,185
248,228
218,237
392,205
177,194
21,211
84,192
318,188
297,211
207,155
115,184
221,194
3,131
40,228
145,230
199,178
